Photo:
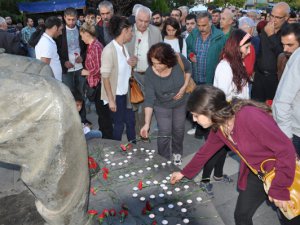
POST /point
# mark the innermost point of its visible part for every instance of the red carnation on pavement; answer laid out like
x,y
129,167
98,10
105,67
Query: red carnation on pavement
x,y
192,55
140,185
154,222
123,214
145,211
105,212
112,212
92,212
92,163
123,147
105,176
129,146
93,190
105,170
101,218
148,206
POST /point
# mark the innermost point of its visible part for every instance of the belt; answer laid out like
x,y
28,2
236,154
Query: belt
x,y
141,72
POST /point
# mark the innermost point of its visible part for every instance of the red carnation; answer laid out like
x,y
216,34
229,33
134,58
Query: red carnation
x,y
123,147
129,146
192,55
269,102
92,163
145,211
154,222
105,212
101,217
148,206
123,214
105,170
92,212
140,185
93,191
112,212
105,176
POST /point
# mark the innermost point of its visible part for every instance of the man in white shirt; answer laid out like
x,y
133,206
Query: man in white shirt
x,y
46,49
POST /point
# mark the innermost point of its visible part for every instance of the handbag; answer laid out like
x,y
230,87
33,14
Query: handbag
x,y
136,94
191,85
267,178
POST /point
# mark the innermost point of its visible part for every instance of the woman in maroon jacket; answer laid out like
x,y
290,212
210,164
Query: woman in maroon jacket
x,y
249,127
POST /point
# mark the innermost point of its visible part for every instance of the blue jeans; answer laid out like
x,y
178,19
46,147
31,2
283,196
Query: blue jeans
x,y
122,116
93,134
296,142
30,52
74,81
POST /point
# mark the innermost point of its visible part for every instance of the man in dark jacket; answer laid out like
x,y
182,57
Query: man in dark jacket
x,y
10,42
72,51
265,80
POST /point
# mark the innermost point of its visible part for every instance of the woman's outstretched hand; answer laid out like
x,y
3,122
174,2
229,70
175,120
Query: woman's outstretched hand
x,y
145,131
176,177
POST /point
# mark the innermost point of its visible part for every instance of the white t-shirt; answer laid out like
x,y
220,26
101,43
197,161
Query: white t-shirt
x,y
73,47
175,45
46,48
223,80
124,69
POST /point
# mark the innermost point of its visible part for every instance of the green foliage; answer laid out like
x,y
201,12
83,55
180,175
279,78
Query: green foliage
x,y
160,5
224,3
292,3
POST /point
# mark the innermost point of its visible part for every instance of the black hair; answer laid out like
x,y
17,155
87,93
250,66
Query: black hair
x,y
49,23
292,28
173,23
90,11
77,96
191,16
156,12
70,11
216,11
117,24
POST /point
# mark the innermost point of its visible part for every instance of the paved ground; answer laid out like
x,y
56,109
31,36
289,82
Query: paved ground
x,y
225,194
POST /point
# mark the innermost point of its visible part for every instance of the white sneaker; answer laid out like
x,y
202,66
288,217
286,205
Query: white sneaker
x,y
191,131
177,159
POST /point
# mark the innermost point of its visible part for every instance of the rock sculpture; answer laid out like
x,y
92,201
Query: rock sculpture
x,y
40,130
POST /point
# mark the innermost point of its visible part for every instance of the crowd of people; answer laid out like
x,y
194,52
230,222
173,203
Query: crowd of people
x,y
243,63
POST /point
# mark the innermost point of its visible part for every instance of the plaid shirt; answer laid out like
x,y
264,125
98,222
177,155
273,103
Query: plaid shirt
x,y
93,62
201,49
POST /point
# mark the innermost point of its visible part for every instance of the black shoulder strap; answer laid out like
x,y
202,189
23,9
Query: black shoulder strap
x,y
180,40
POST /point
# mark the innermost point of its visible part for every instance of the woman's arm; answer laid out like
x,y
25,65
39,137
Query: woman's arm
x,y
148,115
111,100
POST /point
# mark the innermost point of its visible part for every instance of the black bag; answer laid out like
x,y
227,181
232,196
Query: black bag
x,y
91,92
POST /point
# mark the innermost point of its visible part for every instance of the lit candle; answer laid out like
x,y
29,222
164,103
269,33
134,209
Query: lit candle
x,y
186,220
184,210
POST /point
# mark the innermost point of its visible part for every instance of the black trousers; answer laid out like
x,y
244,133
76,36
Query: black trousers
x,y
104,116
264,86
249,200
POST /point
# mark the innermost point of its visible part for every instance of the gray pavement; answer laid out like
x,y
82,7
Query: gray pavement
x,y
225,194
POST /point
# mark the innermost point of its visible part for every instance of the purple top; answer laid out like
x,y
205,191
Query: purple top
x,y
257,137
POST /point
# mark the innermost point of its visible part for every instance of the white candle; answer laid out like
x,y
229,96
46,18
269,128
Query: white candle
x,y
142,199
112,153
165,222
155,166
134,195
189,201
155,182
169,162
199,199
165,188
161,195
148,182
127,175
151,216
134,149
129,153
152,196
169,192
177,189
161,209
171,206
121,177
163,164
186,220
184,210
142,149
113,164
129,157
135,188
125,161
141,171
179,203
106,155
132,173
120,163
186,187
148,168
147,159
105,160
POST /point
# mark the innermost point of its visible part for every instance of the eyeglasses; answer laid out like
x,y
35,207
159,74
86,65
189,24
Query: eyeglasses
x,y
277,17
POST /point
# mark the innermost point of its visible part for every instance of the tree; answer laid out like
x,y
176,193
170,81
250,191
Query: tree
x,y
292,3
225,3
160,5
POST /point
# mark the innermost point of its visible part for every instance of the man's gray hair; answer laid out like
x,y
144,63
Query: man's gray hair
x,y
246,21
184,8
106,4
284,6
143,9
135,8
2,20
203,14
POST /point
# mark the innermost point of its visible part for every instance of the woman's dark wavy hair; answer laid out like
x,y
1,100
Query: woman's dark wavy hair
x,y
117,24
231,52
173,23
211,101
49,23
164,53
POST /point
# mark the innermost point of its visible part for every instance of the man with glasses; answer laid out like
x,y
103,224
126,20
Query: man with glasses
x,y
265,80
